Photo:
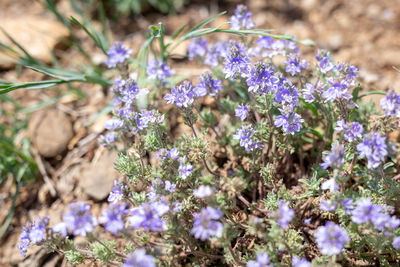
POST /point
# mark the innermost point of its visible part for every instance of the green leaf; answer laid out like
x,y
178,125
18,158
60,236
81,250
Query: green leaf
x,y
310,106
376,92
94,35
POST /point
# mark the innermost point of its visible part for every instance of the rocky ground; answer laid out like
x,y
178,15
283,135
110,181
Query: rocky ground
x,y
74,167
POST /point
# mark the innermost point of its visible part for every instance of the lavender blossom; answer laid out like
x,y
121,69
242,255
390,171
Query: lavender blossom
x,y
336,89
182,95
79,220
331,238
354,132
262,260
241,111
236,61
160,71
117,53
245,135
325,61
340,126
148,216
294,65
390,104
364,211
208,84
327,205
330,185
112,217
261,78
374,148
107,139
215,54
185,169
335,158
285,214
347,205
300,262
32,233
308,93
197,48
203,191
205,223
139,258
117,192
290,123
396,242
242,19
144,118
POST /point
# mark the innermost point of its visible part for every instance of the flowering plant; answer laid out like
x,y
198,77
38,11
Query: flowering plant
x,y
249,182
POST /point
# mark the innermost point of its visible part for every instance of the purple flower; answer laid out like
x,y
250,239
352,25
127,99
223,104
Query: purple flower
x,y
336,90
139,258
107,139
146,117
308,93
61,228
79,220
117,192
182,95
197,48
208,84
300,262
241,112
112,217
340,125
117,53
396,242
203,191
245,135
330,185
364,211
390,104
262,260
354,132
261,78
327,205
236,61
242,19
348,205
215,54
285,214
331,238
374,148
185,169
325,61
335,158
32,234
287,96
294,65
205,223
148,216
113,124
157,70
290,123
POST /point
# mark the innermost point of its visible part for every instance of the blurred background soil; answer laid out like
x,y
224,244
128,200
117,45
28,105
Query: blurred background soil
x,y
364,33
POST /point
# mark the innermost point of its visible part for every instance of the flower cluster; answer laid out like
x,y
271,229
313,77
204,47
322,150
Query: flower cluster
x,y
118,53
205,224
242,184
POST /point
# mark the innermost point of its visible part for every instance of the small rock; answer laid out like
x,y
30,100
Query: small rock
x,y
50,132
37,34
97,178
